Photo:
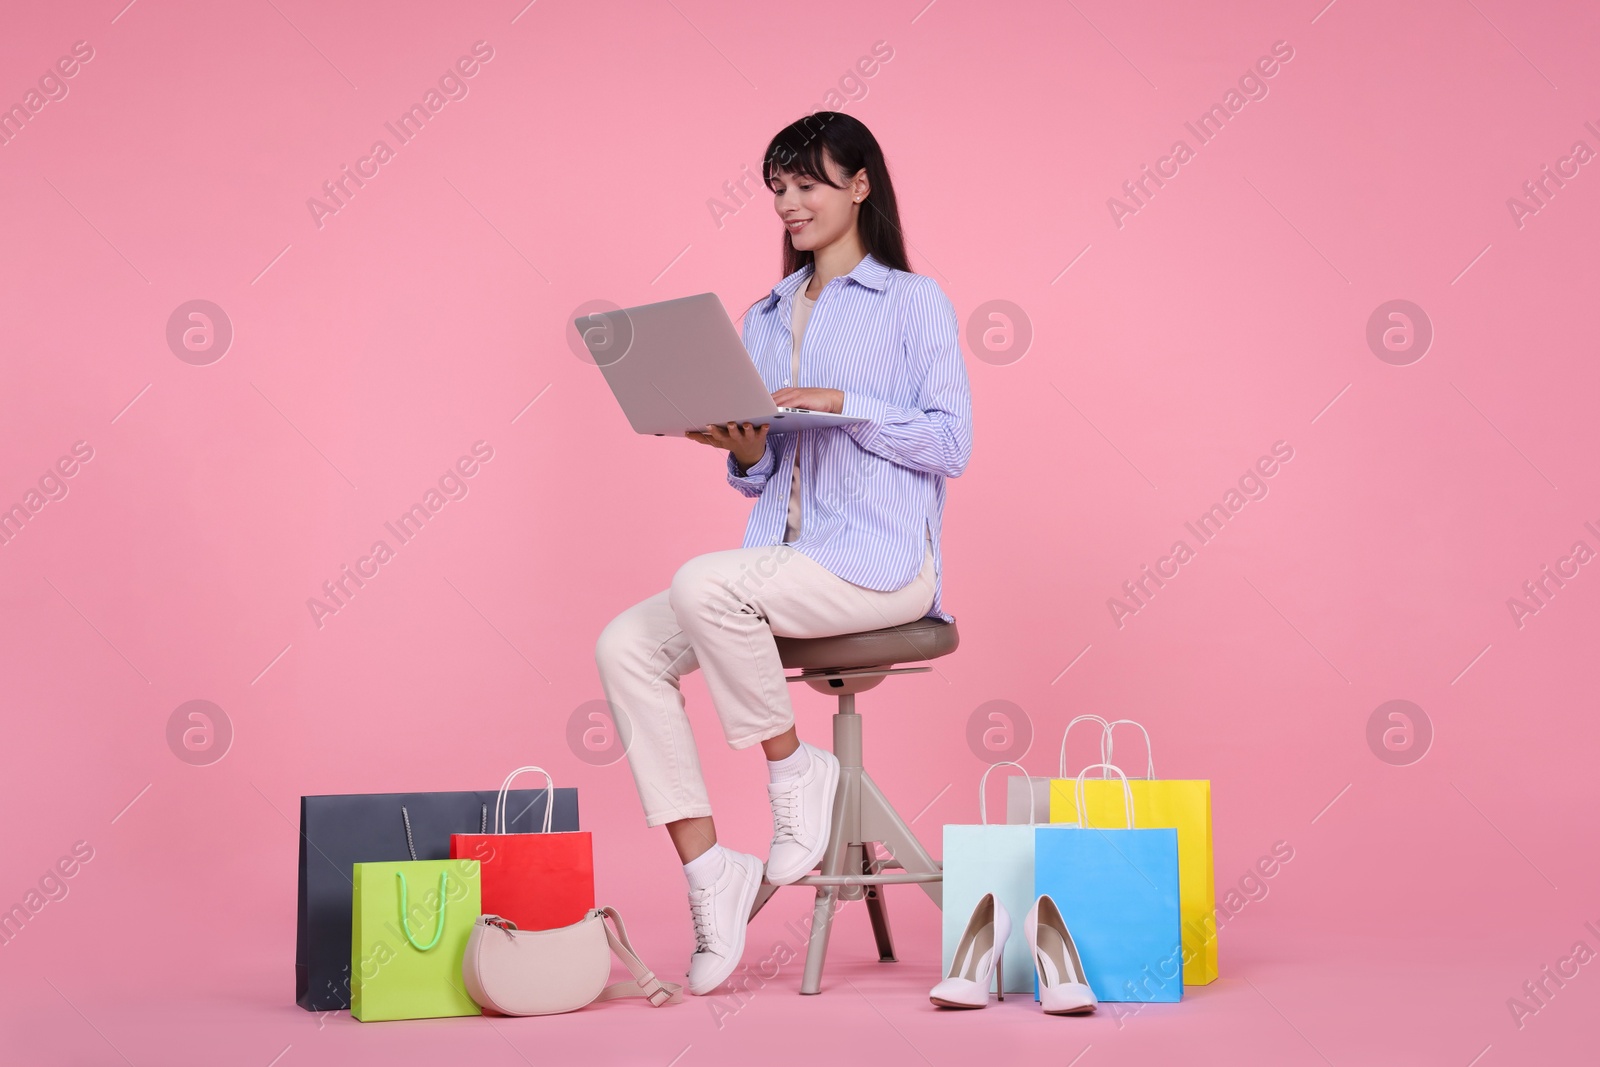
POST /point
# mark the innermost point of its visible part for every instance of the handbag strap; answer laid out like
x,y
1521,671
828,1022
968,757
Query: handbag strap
x,y
644,982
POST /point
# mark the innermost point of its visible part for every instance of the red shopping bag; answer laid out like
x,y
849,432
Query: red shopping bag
x,y
539,881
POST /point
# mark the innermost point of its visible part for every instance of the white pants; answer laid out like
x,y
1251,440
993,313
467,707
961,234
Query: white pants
x,y
720,614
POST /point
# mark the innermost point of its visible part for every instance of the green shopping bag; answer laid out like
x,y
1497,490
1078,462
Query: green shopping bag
x,y
409,929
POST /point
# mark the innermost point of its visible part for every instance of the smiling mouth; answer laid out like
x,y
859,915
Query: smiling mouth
x,y
796,225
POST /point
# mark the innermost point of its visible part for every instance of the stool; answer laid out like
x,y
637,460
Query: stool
x,y
850,869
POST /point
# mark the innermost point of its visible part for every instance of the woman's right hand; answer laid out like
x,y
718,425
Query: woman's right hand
x,y
745,442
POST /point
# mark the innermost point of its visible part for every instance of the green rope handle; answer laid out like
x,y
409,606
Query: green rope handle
x,y
405,924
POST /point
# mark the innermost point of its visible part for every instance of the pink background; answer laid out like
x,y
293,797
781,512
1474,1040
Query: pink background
x,y
1228,314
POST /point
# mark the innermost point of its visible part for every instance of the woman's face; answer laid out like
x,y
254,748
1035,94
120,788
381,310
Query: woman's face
x,y
817,214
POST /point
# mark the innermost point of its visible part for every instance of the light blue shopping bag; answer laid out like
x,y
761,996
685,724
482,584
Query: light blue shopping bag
x,y
1117,890
990,859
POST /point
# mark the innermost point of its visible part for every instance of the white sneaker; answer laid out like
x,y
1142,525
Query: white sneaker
x,y
720,914
802,815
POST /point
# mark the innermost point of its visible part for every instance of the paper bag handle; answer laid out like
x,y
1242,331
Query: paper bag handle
x,y
1105,750
983,803
1127,792
1149,756
505,790
405,919
411,845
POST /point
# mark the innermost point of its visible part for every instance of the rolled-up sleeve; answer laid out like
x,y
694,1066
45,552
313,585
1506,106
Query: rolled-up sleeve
x,y
754,478
936,435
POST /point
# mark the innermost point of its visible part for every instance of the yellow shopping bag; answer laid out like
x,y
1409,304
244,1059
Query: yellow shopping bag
x,y
1182,805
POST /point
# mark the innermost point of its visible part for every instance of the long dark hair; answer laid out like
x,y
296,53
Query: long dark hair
x,y
798,148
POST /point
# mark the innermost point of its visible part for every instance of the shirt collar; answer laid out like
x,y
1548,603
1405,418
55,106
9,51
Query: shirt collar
x,y
869,272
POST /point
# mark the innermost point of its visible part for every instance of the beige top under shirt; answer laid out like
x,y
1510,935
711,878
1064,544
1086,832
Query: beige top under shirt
x,y
802,314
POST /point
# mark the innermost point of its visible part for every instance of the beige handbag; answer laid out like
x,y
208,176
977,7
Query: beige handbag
x,y
545,972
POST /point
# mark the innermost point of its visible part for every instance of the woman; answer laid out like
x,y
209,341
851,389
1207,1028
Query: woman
x,y
844,535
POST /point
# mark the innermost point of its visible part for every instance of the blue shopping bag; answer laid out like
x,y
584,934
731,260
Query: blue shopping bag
x,y
1117,890
991,859
1185,806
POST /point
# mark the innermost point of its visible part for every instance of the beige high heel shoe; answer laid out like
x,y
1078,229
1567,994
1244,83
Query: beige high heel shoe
x,y
978,958
1063,990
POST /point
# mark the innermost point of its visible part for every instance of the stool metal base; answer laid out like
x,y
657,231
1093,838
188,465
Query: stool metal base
x,y
850,868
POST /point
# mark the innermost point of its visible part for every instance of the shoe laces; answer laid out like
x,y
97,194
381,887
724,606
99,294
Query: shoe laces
x,y
700,908
786,812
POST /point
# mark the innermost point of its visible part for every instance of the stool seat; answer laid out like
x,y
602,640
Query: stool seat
x,y
926,638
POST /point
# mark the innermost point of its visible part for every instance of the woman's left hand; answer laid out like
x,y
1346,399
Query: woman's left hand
x,y
830,400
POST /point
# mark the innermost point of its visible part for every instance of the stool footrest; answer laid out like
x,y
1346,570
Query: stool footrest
x,y
896,865
903,878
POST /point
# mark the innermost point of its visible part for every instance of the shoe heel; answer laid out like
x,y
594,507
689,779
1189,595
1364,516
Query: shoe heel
x,y
1000,973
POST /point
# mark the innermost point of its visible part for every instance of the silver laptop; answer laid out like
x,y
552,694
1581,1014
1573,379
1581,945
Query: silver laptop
x,y
679,365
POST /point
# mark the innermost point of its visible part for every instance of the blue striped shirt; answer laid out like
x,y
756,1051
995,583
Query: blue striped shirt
x,y
872,493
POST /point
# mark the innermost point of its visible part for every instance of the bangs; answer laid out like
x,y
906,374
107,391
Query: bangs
x,y
798,149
